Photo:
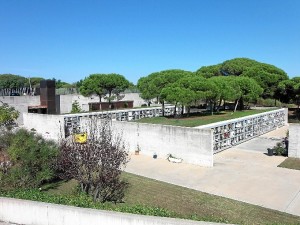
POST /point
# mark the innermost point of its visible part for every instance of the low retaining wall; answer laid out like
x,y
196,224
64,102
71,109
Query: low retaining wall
x,y
294,140
38,213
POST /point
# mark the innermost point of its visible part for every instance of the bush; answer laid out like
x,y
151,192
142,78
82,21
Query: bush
x,y
269,102
8,115
97,164
279,149
5,139
32,159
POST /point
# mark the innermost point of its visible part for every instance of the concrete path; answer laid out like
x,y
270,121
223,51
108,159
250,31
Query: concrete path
x,y
238,173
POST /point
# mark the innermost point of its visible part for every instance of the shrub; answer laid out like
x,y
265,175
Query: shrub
x,y
279,149
8,115
32,159
5,139
97,164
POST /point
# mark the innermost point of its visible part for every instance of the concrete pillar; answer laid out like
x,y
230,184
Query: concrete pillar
x,y
294,140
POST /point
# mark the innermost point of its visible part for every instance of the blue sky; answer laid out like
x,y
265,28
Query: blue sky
x,y
70,39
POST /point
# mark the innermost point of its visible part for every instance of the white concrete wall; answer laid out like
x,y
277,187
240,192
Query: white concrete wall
x,y
192,145
294,140
135,97
38,213
67,100
49,126
21,103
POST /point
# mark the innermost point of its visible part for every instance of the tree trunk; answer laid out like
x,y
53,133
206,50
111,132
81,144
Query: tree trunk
x,y
188,110
215,107
96,192
85,188
220,101
236,104
241,104
163,108
109,99
211,108
182,109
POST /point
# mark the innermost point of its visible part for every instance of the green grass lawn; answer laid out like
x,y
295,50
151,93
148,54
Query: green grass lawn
x,y
190,204
291,163
200,118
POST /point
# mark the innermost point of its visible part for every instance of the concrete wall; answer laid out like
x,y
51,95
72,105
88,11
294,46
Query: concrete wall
x,y
194,146
135,97
49,126
67,100
38,213
21,103
294,140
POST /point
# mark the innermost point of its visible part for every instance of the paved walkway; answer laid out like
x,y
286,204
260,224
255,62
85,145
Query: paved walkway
x,y
238,173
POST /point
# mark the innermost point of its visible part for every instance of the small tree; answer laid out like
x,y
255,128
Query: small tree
x,y
76,107
97,164
8,115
